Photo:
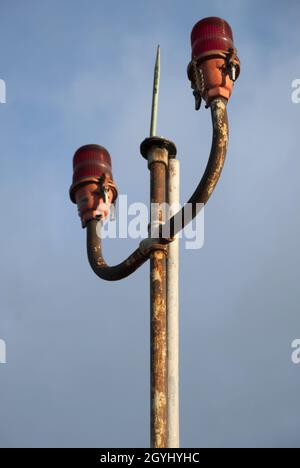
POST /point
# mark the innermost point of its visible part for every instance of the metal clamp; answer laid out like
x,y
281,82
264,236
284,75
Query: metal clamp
x,y
150,244
232,64
197,85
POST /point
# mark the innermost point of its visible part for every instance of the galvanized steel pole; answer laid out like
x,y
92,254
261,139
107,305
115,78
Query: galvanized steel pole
x,y
173,310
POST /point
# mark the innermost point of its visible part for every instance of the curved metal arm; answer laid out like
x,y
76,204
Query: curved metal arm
x,y
212,171
179,220
98,264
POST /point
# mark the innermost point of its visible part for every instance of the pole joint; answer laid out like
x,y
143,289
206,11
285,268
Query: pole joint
x,y
149,245
149,148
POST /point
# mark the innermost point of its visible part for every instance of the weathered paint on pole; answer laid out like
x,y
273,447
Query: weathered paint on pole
x,y
157,161
173,310
156,79
158,151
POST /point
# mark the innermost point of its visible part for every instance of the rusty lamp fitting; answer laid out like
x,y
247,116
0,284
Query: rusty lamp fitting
x,y
214,66
93,188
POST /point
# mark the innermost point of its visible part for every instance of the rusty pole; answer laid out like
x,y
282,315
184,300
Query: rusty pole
x,y
157,163
157,160
157,151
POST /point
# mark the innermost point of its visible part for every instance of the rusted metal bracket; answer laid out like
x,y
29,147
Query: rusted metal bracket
x,y
201,195
148,245
212,171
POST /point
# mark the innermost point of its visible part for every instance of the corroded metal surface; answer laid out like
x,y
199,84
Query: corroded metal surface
x,y
98,264
213,169
158,350
157,142
201,195
158,311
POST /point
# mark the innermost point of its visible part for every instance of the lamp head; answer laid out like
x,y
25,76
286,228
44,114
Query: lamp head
x,y
214,66
93,188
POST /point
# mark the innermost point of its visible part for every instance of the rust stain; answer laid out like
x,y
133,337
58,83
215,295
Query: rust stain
x,y
158,350
159,389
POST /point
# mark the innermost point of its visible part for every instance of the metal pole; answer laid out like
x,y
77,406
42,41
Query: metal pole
x,y
158,152
173,310
157,161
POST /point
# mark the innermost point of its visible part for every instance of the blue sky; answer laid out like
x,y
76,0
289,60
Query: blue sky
x,y
77,348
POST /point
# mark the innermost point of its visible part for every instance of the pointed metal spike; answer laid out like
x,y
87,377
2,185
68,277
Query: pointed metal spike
x,y
156,80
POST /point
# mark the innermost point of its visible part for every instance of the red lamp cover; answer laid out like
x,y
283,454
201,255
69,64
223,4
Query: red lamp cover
x,y
210,35
89,163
